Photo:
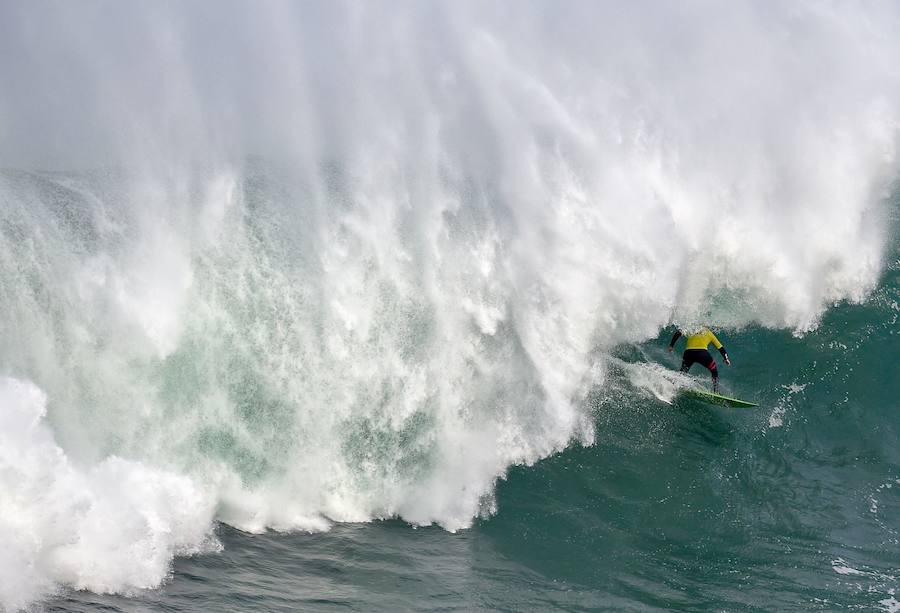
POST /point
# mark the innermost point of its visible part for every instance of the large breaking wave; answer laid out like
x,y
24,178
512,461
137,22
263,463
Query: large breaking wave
x,y
308,264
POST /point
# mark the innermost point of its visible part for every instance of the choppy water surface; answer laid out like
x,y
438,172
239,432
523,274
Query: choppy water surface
x,y
313,307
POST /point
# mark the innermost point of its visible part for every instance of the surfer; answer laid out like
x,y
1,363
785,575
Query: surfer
x,y
696,351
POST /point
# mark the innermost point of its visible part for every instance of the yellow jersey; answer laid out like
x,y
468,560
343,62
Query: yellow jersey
x,y
702,339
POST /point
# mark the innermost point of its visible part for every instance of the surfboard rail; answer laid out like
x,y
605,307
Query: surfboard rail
x,y
718,399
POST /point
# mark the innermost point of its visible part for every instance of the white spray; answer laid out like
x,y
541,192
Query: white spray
x,y
344,262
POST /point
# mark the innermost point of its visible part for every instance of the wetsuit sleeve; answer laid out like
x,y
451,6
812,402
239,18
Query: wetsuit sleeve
x,y
715,341
675,337
723,352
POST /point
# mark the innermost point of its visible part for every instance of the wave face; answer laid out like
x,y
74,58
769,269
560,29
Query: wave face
x,y
300,265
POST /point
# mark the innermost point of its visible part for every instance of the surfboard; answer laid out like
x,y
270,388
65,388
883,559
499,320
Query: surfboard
x,y
711,398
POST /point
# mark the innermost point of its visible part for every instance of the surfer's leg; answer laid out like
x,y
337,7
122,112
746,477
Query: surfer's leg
x,y
710,363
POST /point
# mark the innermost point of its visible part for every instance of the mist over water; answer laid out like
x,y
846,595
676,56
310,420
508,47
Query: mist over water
x,y
284,265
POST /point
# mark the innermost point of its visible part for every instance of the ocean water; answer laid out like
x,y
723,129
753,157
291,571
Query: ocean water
x,y
366,306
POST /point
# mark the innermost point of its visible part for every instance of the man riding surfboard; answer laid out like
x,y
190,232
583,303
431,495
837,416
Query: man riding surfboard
x,y
696,351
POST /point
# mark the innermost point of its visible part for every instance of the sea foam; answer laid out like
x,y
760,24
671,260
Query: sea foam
x,y
362,259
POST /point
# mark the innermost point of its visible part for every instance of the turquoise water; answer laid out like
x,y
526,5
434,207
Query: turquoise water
x,y
366,305
789,506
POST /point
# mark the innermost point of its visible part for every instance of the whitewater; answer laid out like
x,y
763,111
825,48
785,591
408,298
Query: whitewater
x,y
285,267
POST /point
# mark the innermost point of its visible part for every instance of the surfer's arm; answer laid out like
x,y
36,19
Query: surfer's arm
x,y
675,337
718,345
724,354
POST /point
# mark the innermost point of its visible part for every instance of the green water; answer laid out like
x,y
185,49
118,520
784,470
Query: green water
x,y
791,506
365,305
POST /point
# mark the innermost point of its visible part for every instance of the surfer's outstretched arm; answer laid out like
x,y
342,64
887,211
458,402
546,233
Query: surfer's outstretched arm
x,y
675,337
718,345
724,355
